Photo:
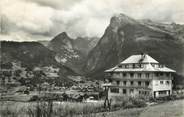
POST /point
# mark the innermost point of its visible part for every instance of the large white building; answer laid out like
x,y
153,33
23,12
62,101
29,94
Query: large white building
x,y
139,75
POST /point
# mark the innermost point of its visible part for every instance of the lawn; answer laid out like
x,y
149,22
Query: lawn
x,y
168,109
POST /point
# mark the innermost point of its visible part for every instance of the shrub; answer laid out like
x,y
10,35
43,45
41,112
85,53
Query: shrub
x,y
139,102
129,104
34,98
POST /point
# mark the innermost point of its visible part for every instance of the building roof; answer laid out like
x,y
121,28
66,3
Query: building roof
x,y
148,67
143,58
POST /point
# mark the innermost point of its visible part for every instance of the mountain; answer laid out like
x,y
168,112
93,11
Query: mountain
x,y
71,52
126,36
44,42
85,44
30,55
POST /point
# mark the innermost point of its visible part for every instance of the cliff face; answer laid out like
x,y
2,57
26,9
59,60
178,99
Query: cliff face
x,y
71,52
126,36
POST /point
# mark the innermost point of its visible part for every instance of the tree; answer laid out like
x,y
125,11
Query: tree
x,y
39,77
17,73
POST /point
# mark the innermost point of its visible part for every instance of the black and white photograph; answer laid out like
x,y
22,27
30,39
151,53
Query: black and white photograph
x,y
91,58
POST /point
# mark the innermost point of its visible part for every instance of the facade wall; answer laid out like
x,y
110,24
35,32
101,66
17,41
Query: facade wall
x,y
145,84
135,85
121,93
162,85
159,85
161,88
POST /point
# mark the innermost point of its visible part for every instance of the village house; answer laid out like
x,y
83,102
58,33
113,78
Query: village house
x,y
139,75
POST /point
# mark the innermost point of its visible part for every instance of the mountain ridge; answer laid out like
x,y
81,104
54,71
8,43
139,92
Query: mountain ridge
x,y
126,36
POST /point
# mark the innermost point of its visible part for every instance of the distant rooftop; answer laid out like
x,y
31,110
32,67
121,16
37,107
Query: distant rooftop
x,y
149,68
142,58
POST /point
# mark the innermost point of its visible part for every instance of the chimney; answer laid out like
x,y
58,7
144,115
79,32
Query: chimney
x,y
143,55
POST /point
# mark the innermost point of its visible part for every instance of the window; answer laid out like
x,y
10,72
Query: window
x,y
124,82
141,66
139,83
131,90
131,74
126,66
133,65
156,74
118,73
161,66
147,83
139,75
147,75
167,82
118,82
161,74
124,91
162,92
137,66
161,82
167,74
132,83
110,74
120,66
114,90
124,74
146,92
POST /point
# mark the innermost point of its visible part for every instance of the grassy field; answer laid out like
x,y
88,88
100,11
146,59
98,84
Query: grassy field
x,y
168,109
134,112
73,109
60,109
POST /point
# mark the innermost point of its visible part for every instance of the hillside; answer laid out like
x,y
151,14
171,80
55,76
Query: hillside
x,y
30,55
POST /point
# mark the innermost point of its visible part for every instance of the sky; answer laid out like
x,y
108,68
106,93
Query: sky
x,y
33,20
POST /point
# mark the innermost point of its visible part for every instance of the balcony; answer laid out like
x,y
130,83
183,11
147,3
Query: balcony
x,y
128,85
132,76
131,79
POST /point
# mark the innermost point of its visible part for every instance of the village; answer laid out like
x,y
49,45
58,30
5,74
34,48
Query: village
x,y
18,82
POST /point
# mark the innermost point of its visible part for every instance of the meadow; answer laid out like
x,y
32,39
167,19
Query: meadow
x,y
77,109
61,109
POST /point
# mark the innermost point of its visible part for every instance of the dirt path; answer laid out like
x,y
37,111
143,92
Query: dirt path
x,y
169,109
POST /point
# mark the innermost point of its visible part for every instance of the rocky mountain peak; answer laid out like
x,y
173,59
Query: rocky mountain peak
x,y
61,41
121,19
62,37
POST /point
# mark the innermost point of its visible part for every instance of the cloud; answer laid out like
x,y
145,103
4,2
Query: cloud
x,y
57,4
26,20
